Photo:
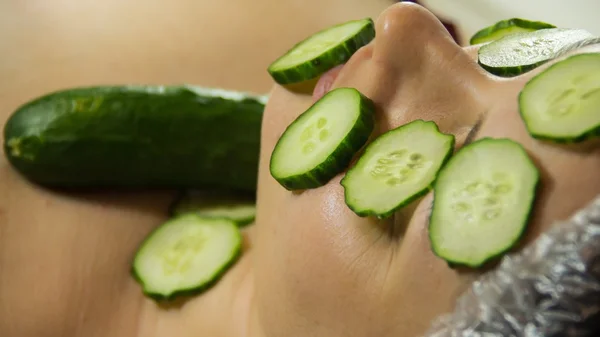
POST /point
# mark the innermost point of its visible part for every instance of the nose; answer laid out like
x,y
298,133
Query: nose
x,y
418,71
408,34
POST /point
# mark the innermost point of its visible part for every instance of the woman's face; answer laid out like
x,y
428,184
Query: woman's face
x,y
323,271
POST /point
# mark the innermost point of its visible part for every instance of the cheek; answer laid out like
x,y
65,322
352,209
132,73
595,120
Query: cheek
x,y
313,226
431,92
419,286
311,249
283,108
502,120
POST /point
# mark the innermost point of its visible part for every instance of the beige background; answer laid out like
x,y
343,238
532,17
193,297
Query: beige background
x,y
51,44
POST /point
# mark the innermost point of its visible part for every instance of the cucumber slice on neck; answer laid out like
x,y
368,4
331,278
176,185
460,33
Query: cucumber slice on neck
x,y
482,201
396,168
521,52
186,255
322,51
562,103
507,27
212,204
322,141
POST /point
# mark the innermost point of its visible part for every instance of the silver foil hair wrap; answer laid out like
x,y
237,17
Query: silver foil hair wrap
x,y
550,289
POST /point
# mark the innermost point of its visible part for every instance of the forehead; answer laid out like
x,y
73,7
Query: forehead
x,y
502,119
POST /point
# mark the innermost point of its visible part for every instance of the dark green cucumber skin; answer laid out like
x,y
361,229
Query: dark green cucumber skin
x,y
592,132
511,71
341,157
188,292
495,256
327,60
416,196
504,24
140,137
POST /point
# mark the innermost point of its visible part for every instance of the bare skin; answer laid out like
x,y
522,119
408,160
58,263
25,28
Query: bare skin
x,y
311,267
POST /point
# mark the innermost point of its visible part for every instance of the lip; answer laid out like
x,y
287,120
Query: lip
x,y
326,82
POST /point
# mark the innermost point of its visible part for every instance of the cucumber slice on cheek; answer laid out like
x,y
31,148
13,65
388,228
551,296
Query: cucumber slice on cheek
x,y
482,201
322,51
522,52
322,141
562,103
397,168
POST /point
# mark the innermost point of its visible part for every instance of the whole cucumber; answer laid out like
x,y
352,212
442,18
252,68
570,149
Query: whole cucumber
x,y
138,136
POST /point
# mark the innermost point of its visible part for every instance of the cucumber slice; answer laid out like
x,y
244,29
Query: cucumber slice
x,y
186,255
321,142
238,209
507,27
521,52
562,103
482,201
396,168
322,51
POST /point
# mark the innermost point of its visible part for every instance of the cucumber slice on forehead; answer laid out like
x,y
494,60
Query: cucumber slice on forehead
x,y
507,27
322,51
482,201
322,141
562,103
521,52
186,255
397,168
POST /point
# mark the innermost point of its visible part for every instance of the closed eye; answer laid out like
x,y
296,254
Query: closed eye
x,y
474,130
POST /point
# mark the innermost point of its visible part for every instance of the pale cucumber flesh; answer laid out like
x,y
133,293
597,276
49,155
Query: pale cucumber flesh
x,y
322,51
236,212
396,168
482,201
562,103
321,142
318,44
185,255
213,204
